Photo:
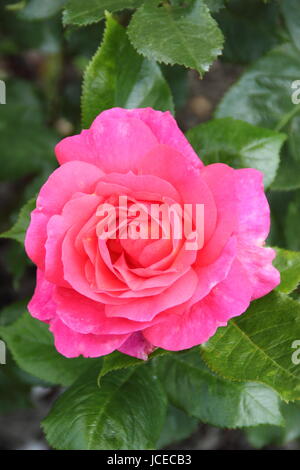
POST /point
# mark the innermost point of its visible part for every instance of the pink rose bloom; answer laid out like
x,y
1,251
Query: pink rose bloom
x,y
134,295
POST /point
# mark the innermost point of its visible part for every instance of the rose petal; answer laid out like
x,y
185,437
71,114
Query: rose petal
x,y
162,125
228,299
42,305
146,309
69,343
137,346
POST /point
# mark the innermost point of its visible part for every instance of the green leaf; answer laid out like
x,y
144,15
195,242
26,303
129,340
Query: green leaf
x,y
263,94
239,144
288,263
263,97
178,80
126,412
117,360
260,436
265,435
257,346
287,178
31,345
250,28
16,262
18,231
118,76
291,13
20,35
292,223
279,202
41,10
185,35
14,393
178,426
12,312
192,387
32,151
82,13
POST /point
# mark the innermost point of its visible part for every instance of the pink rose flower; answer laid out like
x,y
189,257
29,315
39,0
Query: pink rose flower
x,y
133,295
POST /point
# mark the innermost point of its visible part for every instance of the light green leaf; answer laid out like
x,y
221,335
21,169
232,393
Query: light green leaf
x,y
41,10
18,231
288,263
238,144
291,13
118,76
31,345
178,426
257,346
192,387
263,96
126,412
185,35
82,13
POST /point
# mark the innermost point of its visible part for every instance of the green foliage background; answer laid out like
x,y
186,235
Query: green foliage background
x,y
63,62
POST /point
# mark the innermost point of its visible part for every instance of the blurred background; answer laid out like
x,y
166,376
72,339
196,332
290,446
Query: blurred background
x,y
42,65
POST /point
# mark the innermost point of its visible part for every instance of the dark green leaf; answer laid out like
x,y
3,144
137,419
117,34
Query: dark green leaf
x,y
263,96
191,386
14,393
291,14
18,231
32,150
12,312
117,360
238,144
185,35
214,5
32,347
250,27
178,426
177,78
118,76
82,13
126,412
16,262
292,223
257,346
